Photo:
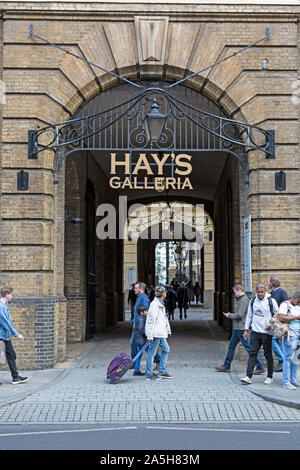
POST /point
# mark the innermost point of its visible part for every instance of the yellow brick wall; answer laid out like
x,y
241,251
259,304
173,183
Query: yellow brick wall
x,y
46,86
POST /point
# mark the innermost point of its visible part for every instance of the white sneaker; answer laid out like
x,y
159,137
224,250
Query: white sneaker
x,y
246,380
289,386
296,384
268,381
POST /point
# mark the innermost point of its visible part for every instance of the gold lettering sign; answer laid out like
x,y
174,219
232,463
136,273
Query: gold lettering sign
x,y
150,171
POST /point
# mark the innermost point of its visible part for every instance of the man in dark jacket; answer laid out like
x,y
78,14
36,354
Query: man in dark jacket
x,y
170,301
183,299
131,300
277,292
198,292
239,318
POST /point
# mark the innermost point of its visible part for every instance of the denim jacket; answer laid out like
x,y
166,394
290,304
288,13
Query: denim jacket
x,y
6,324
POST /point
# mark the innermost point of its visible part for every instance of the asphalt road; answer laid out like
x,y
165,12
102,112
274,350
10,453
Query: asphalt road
x,y
160,438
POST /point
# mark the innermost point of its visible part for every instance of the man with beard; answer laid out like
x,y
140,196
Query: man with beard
x,y
260,311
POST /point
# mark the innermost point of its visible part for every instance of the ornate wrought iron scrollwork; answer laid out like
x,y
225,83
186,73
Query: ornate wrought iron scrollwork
x,y
76,134
182,118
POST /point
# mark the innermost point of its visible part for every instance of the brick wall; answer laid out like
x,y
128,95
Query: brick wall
x,y
46,86
108,253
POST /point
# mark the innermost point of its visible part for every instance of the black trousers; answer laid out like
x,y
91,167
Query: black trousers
x,y
11,358
256,341
180,310
171,313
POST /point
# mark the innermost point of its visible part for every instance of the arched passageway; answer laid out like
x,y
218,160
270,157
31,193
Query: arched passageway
x,y
96,284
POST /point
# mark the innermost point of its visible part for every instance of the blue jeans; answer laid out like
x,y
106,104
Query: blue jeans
x,y
153,347
134,350
290,360
138,360
132,345
278,348
237,336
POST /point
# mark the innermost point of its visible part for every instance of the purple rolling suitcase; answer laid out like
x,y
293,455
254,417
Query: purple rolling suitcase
x,y
120,365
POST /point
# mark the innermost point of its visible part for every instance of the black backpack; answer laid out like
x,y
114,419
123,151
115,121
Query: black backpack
x,y
270,304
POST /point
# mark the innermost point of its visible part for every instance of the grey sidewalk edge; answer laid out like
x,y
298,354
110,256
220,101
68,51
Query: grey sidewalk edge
x,y
8,400
266,396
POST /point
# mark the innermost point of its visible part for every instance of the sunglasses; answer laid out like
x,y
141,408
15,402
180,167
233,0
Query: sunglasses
x,y
260,286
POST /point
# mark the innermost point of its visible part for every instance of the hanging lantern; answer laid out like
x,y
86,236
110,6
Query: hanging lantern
x,y
154,123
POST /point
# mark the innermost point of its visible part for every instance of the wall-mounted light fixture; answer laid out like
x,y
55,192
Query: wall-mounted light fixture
x,y
22,180
265,64
280,180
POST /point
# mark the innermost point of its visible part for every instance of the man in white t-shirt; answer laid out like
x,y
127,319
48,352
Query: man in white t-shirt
x,y
289,312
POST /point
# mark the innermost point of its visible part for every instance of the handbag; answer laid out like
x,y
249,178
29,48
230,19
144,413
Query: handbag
x,y
280,329
3,360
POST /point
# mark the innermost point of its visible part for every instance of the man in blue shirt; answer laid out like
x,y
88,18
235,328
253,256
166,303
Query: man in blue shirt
x,y
141,299
6,331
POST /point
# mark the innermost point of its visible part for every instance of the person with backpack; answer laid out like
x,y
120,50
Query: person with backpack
x,y
260,311
289,312
280,296
239,318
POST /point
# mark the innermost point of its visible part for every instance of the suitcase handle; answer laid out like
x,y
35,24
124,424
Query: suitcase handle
x,y
141,351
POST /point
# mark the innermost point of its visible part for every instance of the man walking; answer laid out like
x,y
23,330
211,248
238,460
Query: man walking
x,y
141,299
170,301
280,296
289,312
260,311
239,318
157,329
183,299
197,292
131,301
6,331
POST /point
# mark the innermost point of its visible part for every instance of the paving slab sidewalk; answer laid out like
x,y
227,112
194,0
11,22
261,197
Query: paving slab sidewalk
x,y
40,379
87,356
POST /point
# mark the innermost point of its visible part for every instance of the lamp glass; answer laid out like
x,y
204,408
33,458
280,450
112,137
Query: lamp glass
x,y
154,123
